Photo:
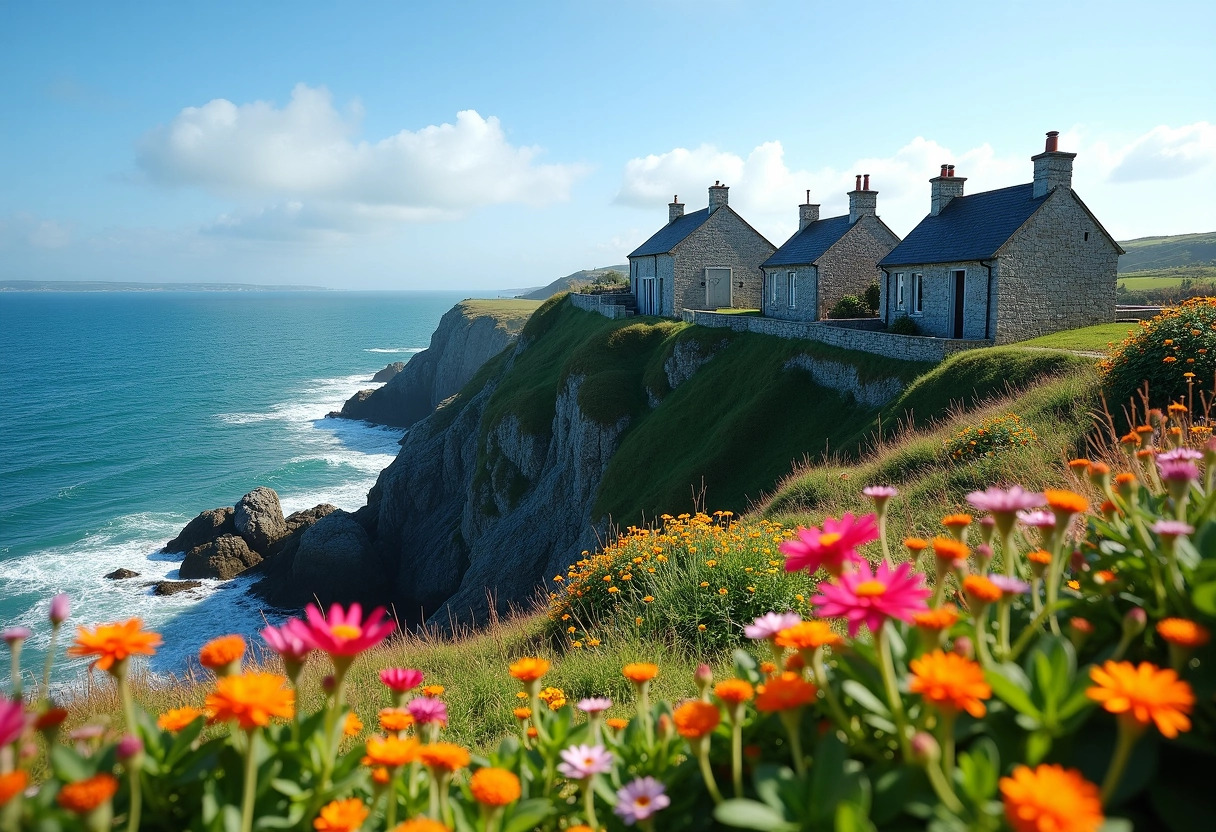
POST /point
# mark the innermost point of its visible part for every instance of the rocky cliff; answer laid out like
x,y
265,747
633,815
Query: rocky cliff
x,y
469,334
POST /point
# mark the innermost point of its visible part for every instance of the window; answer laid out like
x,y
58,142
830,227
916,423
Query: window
x,y
901,290
918,305
1087,236
772,289
792,281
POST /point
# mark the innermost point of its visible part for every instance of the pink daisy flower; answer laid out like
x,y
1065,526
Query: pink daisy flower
x,y
830,547
594,704
401,679
998,501
345,633
286,643
12,721
640,799
771,623
580,762
426,710
871,597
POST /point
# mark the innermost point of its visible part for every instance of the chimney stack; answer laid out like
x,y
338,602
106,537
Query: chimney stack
x,y
719,196
807,213
675,209
862,201
1052,167
944,188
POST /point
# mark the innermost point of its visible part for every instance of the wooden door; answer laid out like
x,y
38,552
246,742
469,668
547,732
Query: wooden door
x,y
717,288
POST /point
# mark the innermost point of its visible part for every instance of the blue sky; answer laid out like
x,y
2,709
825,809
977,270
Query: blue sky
x,y
492,146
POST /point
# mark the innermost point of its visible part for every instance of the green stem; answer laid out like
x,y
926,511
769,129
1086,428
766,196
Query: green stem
x,y
333,731
1003,613
981,637
15,663
945,727
136,801
1030,632
589,804
50,659
941,787
736,749
882,535
644,712
887,668
445,809
390,811
707,773
821,680
433,802
791,720
1123,749
251,781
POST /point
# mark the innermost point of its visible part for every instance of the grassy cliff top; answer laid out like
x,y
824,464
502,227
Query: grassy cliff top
x,y
512,313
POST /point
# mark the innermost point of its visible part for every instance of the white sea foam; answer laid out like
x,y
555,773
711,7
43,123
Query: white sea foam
x,y
395,349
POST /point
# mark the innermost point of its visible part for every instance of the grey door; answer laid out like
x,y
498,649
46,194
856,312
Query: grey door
x,y
717,288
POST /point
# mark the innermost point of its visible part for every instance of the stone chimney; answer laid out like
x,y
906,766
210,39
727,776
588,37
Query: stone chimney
x,y
675,209
862,201
807,213
944,188
719,196
1052,167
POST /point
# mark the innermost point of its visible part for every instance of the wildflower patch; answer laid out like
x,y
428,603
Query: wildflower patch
x,y
990,437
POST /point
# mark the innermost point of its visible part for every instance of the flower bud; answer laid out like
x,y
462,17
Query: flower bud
x,y
704,677
987,527
128,747
61,608
983,556
965,647
327,684
924,748
1079,629
1134,622
667,728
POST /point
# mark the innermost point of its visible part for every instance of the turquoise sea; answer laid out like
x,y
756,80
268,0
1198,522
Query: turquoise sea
x,y
125,414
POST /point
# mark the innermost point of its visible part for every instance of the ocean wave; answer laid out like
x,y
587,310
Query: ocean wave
x,y
394,349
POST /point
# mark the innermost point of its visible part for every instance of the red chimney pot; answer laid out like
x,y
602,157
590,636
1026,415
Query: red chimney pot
x,y
1053,141
943,173
866,185
950,170
857,186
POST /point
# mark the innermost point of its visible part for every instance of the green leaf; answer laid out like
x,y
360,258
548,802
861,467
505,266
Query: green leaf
x,y
1038,743
827,779
527,815
864,697
1011,686
751,814
979,768
68,765
768,781
1204,598
851,818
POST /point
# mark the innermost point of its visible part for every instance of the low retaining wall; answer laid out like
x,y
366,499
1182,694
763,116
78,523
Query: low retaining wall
x,y
1136,313
838,334
610,306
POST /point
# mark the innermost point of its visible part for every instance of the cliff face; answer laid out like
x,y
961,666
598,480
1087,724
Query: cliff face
x,y
469,334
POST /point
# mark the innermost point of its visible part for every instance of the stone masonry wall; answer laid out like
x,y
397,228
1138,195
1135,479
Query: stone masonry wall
x,y
937,317
851,265
805,294
1052,277
725,241
605,305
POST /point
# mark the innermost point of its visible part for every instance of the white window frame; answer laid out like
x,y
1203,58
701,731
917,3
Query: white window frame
x,y
918,294
791,287
772,288
901,291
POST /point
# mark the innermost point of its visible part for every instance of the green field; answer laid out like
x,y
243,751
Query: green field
x,y
1088,338
1167,278
1154,253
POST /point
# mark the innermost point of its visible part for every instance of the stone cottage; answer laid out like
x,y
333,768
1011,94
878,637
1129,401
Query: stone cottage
x,y
1004,265
827,259
709,259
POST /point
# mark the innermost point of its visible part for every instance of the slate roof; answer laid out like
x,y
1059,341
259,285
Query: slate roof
x,y
809,244
672,234
968,228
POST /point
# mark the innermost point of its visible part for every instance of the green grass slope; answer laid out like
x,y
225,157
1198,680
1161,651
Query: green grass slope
x,y
1168,252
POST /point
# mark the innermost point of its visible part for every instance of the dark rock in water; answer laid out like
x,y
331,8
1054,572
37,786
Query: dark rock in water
x,y
203,529
259,519
330,561
389,371
174,587
304,519
223,558
122,575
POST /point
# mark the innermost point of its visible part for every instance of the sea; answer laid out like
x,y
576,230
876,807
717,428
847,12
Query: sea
x,y
125,414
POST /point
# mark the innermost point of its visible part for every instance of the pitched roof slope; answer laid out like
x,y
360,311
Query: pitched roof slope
x,y
809,244
968,228
672,234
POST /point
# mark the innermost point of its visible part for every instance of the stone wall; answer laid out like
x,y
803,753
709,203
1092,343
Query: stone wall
x,y
723,241
851,265
902,347
610,306
1057,272
937,316
843,378
806,298
661,268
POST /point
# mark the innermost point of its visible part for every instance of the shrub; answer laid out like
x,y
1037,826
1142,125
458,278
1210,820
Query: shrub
x,y
903,325
849,306
1169,352
989,438
872,297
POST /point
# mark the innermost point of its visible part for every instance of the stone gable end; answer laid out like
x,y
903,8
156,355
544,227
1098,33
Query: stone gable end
x,y
723,241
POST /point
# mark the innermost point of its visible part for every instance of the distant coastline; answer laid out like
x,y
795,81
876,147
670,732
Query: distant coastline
x,y
119,286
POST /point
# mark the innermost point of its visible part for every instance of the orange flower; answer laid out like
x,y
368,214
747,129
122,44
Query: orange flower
x,y
352,726
950,681
1039,556
695,719
529,669
395,719
956,520
916,545
579,828
1051,798
1078,465
1065,502
421,825
390,751
341,816
433,691
523,713
616,723
113,643
734,691
1143,693
946,548
494,786
251,699
177,719
640,672
12,784
84,796
942,618
784,692
381,776
981,589
443,755
221,652
1183,632
808,635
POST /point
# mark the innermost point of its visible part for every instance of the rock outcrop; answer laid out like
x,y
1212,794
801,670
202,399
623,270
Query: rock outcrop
x,y
462,343
223,558
173,587
203,529
259,518
121,575
388,372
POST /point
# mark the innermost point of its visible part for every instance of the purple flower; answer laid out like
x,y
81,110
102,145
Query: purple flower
x,y
128,747
426,710
1177,470
1037,519
640,799
12,721
585,761
401,679
16,635
595,704
1009,586
1005,502
61,608
1180,455
1172,528
284,641
771,623
885,492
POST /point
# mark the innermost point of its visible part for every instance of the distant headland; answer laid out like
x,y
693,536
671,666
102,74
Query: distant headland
x,y
120,286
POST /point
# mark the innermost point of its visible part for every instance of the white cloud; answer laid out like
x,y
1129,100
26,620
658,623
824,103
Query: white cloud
x,y
305,158
766,191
